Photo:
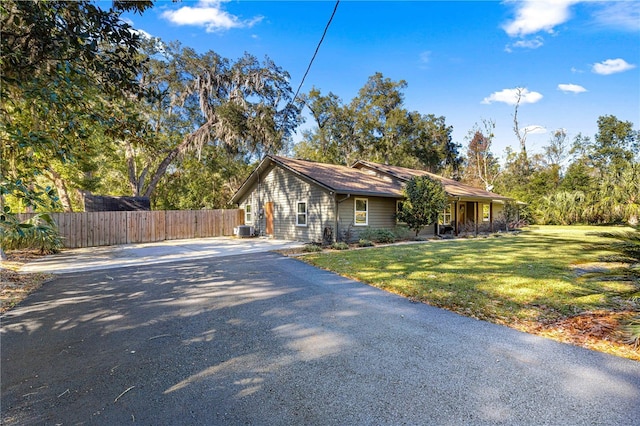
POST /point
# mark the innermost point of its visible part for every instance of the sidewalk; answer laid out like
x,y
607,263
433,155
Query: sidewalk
x,y
109,257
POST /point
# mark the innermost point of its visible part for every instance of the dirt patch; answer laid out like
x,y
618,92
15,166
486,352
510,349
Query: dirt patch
x,y
597,330
14,286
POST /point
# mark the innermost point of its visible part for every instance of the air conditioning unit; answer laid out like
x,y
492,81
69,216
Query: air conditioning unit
x,y
244,231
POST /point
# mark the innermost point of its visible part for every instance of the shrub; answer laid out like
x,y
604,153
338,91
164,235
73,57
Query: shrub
x,y
38,232
382,236
340,246
311,248
365,243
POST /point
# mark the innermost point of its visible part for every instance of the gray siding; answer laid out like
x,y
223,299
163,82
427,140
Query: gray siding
x,y
381,216
285,190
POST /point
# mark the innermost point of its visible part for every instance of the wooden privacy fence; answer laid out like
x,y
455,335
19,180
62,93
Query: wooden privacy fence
x,y
91,229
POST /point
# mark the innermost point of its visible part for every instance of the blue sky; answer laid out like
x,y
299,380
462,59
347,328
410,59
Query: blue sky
x,y
573,60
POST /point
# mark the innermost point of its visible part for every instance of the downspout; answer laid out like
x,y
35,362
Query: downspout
x,y
259,204
335,235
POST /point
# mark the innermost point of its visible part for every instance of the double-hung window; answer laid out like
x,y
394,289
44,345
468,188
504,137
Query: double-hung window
x,y
486,212
248,213
445,218
301,213
361,212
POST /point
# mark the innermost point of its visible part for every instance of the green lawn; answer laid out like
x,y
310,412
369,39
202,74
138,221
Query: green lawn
x,y
535,276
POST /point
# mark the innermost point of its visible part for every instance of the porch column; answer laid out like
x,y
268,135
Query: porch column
x,y
491,216
475,214
455,216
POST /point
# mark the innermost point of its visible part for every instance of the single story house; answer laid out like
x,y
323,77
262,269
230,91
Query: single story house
x,y
309,201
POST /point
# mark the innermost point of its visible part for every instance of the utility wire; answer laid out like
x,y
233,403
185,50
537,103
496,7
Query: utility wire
x,y
317,48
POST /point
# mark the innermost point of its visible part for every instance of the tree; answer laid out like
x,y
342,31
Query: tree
x,y
375,126
425,199
556,151
334,139
615,145
245,107
381,118
482,168
52,55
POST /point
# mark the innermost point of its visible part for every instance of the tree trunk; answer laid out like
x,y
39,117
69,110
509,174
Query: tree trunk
x,y
63,192
131,169
162,168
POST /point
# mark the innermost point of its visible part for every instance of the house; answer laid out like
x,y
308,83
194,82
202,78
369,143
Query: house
x,y
308,201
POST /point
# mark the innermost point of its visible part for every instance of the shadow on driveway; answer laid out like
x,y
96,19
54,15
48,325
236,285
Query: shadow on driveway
x,y
265,339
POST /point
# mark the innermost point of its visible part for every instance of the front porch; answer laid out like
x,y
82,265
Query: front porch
x,y
471,217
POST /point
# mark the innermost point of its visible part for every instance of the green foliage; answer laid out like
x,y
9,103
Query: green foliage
x,y
365,243
425,198
378,235
38,232
376,126
339,246
311,248
562,208
196,183
600,185
204,105
62,62
626,245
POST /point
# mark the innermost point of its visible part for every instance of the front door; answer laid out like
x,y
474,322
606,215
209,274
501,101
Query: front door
x,y
462,213
268,211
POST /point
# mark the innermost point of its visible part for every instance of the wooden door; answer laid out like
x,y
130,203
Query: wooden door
x,y
268,211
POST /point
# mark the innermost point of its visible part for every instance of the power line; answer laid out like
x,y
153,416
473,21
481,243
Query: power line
x,y
317,48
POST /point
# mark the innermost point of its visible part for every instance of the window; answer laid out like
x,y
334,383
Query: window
x,y
301,213
398,210
248,215
486,212
445,216
361,212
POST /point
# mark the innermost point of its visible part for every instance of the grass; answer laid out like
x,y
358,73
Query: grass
x,y
539,281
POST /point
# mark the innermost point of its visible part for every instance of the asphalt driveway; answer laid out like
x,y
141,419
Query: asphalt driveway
x,y
264,339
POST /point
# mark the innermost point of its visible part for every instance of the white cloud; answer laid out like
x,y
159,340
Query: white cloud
x,y
619,14
533,43
208,14
611,66
571,88
425,57
533,16
510,96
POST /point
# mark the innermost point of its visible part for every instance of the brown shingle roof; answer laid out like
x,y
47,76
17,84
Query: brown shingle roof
x,y
353,180
342,179
451,187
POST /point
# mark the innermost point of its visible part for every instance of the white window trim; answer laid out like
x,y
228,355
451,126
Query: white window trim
x,y
306,213
449,215
488,218
248,215
355,212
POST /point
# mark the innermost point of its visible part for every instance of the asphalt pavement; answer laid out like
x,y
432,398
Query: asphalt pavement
x,y
262,339
109,257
